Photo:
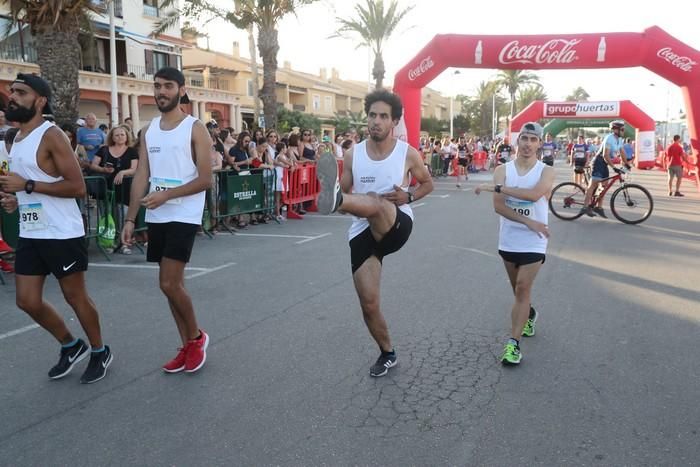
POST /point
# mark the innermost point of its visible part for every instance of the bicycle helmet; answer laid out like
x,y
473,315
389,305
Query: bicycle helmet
x,y
616,124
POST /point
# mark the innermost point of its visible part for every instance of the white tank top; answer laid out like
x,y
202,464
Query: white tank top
x,y
171,164
42,216
377,176
514,236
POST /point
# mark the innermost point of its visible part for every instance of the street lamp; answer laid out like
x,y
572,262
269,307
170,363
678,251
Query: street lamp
x,y
668,98
452,112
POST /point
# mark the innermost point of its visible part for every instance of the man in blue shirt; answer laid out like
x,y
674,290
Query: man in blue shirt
x,y
91,137
628,149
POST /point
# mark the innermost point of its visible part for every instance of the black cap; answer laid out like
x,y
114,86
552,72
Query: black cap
x,y
40,86
173,74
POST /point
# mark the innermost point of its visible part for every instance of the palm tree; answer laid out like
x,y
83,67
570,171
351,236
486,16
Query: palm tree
x,y
55,26
512,80
531,93
374,25
578,94
481,105
265,14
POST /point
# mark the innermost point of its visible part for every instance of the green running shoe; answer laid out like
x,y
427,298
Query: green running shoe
x,y
511,354
529,329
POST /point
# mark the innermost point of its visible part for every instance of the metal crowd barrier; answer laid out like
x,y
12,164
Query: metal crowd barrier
x,y
234,194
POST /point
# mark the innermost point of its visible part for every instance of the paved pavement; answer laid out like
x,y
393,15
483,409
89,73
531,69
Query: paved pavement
x,y
611,378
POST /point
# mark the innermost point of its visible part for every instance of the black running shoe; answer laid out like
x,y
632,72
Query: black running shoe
x,y
69,357
97,368
600,212
385,361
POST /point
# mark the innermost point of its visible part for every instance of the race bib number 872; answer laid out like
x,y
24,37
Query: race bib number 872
x,y
164,184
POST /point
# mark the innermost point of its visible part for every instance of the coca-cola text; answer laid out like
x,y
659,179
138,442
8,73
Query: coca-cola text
x,y
552,51
425,65
680,61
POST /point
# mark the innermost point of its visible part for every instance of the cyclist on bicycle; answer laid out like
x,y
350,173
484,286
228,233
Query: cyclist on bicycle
x,y
609,149
579,159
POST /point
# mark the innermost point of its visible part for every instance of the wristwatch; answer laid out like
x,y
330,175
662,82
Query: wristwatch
x,y
497,188
29,186
410,197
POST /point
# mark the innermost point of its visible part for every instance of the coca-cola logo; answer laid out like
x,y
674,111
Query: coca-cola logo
x,y
680,61
552,51
425,65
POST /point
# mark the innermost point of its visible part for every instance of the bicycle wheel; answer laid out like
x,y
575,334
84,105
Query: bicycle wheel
x,y
567,200
631,204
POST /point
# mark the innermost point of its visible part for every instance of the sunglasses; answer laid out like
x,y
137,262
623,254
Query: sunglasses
x,y
306,134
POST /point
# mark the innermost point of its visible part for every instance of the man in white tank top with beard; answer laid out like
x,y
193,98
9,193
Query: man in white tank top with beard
x,y
174,156
375,180
46,179
521,190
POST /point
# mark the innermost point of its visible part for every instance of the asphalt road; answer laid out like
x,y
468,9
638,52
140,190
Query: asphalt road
x,y
611,378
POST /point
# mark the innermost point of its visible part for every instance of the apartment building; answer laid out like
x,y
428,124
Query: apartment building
x,y
220,85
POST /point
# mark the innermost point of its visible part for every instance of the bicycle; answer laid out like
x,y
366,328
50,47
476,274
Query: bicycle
x,y
630,203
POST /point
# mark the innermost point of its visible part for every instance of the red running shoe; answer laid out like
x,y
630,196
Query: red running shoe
x,y
6,267
177,364
196,353
4,247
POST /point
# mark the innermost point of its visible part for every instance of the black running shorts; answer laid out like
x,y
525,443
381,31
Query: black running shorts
x,y
521,259
41,257
172,240
364,245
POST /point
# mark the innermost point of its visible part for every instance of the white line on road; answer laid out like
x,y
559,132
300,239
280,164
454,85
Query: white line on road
x,y
18,331
270,235
437,196
312,238
207,271
417,205
138,266
473,250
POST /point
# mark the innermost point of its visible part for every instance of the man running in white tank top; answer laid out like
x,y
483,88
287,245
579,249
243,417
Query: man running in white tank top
x,y
375,173
46,178
174,159
520,197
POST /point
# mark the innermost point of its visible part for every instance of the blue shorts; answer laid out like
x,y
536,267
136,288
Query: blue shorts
x,y
600,170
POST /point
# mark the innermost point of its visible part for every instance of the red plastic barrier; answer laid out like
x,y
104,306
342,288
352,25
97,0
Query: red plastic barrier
x,y
480,159
300,185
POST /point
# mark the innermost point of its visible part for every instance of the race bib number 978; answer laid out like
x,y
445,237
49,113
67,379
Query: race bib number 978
x,y
31,217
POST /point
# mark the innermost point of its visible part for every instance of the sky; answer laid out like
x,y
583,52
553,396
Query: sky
x,y
304,42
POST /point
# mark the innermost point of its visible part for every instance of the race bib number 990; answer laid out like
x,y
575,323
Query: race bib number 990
x,y
164,184
31,217
524,208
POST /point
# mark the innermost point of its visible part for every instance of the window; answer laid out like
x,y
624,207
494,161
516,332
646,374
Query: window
x,y
159,60
316,102
250,88
328,104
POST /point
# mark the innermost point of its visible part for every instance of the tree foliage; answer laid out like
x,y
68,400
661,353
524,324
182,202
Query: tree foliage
x,y
374,25
265,14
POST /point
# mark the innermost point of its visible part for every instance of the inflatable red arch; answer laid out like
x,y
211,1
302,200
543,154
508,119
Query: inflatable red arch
x,y
645,126
653,49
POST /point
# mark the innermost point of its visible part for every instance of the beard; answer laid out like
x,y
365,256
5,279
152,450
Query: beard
x,y
19,114
169,106
379,136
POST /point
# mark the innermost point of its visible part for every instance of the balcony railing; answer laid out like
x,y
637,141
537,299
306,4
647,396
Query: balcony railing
x,y
211,83
13,52
299,107
150,10
139,72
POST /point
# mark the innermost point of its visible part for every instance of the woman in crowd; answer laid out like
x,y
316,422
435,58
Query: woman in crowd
x,y
216,164
306,151
239,160
116,160
281,162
